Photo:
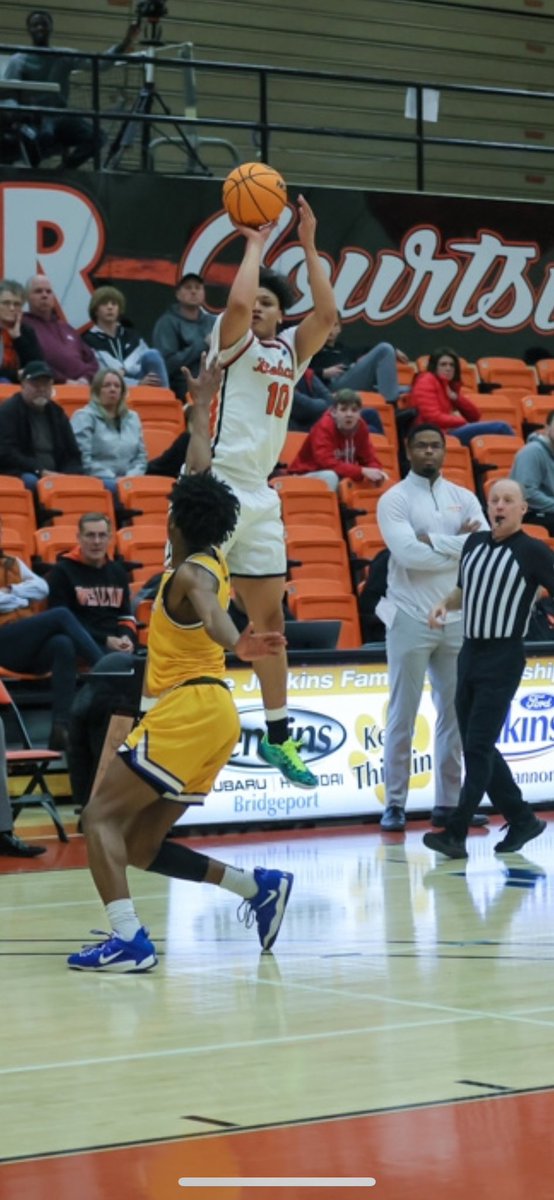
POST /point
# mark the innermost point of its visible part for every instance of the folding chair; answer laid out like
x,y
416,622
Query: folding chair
x,y
506,372
63,498
34,762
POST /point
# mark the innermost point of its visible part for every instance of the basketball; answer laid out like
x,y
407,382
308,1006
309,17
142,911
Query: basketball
x,y
254,194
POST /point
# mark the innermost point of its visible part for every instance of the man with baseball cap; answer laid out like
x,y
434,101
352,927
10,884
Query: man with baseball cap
x,y
36,438
182,333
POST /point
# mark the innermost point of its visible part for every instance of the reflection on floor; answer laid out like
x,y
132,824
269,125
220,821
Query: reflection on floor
x,y
402,1033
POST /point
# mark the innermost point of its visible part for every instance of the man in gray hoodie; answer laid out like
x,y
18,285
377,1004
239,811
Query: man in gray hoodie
x,y
182,333
533,469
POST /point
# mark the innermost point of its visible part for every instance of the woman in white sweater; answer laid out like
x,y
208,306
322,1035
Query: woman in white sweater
x,y
109,434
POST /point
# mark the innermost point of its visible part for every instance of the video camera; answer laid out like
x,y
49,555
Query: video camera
x,y
151,11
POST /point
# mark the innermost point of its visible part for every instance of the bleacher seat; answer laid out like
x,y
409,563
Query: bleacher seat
x,y
63,498
498,372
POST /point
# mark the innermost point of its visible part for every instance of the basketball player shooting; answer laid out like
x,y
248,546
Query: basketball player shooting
x,y
260,366
174,754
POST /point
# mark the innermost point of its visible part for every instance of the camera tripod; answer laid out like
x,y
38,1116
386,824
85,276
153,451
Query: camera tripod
x,y
144,102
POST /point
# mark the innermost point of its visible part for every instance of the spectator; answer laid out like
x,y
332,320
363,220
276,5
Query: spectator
x,y
94,587
340,367
533,469
71,359
41,642
311,399
339,446
440,400
36,438
108,434
182,333
18,344
118,347
44,135
9,843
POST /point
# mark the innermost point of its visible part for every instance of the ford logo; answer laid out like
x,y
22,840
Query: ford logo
x,y
537,701
320,735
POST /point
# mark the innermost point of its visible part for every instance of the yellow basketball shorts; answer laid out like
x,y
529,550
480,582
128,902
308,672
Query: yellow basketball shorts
x,y
180,745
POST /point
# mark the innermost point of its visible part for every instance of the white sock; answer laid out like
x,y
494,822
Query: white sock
x,y
123,919
276,714
242,883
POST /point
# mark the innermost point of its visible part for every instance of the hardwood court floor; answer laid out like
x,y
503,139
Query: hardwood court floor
x,y
402,1033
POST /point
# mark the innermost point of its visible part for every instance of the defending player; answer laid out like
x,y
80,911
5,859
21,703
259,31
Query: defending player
x,y
174,755
260,368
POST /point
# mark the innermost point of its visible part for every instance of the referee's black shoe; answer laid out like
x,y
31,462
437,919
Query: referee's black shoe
x,y
520,832
445,844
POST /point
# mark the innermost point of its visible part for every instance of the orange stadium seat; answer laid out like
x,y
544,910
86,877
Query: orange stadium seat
x,y
310,585
291,447
332,608
71,397
7,390
298,484
493,454
17,542
387,455
145,497
545,373
305,544
365,538
142,547
498,406
534,411
66,497
506,372
158,407
386,415
157,441
458,459
17,508
320,507
405,373
354,494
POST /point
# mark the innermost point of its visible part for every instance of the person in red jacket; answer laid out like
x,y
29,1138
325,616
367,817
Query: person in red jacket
x,y
440,400
339,446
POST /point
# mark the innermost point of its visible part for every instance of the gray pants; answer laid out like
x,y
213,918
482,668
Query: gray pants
x,y
413,649
374,371
6,814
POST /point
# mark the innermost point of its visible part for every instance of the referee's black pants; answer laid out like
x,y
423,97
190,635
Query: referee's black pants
x,y
488,674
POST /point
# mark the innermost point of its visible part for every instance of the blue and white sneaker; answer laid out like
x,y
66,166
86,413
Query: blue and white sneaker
x,y
116,955
267,907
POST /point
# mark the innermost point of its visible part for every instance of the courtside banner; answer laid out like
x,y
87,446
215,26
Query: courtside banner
x,y
417,270
340,714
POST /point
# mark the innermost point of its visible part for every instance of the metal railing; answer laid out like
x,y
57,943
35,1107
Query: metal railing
x,y
262,126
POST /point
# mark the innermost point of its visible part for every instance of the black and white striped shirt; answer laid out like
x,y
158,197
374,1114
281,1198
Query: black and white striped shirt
x,y
499,581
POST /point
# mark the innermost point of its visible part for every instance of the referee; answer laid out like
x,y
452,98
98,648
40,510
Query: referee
x,y
500,572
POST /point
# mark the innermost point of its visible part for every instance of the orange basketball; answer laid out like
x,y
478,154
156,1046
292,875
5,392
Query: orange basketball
x,y
254,194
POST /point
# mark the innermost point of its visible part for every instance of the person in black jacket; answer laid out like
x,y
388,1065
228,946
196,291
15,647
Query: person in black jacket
x,y
118,347
36,438
94,587
18,343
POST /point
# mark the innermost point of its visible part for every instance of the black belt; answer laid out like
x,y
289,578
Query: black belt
x,y
204,679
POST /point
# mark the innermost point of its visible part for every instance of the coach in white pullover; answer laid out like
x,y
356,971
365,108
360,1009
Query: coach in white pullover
x,y
424,521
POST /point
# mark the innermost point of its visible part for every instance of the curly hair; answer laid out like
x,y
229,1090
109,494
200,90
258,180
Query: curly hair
x,y
279,285
204,510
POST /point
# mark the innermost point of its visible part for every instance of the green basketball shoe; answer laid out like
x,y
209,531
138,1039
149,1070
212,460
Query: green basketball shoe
x,y
285,756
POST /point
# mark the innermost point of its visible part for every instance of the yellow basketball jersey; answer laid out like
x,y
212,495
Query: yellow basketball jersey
x,y
177,652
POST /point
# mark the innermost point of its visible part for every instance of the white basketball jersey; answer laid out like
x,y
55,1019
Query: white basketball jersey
x,y
254,404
